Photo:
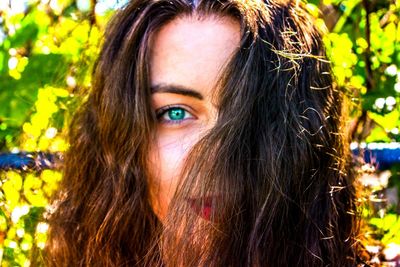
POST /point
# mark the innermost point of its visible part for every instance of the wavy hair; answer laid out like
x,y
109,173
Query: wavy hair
x,y
277,153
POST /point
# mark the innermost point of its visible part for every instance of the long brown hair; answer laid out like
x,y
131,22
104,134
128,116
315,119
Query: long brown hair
x,y
277,153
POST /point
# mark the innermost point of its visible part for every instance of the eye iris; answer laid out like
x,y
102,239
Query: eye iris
x,y
176,114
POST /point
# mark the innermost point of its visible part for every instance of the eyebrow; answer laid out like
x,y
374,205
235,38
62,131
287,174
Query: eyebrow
x,y
176,89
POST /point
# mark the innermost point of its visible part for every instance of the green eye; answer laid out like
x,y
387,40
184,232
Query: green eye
x,y
173,115
176,114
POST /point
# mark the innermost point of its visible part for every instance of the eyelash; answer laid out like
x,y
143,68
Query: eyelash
x,y
162,111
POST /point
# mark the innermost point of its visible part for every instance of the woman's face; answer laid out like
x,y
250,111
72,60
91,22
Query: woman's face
x,y
187,55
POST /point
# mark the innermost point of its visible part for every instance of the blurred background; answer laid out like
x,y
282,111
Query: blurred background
x,y
48,47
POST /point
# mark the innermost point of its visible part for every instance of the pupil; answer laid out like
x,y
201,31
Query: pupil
x,y
176,114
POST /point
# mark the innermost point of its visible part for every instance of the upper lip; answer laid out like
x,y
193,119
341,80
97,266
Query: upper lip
x,y
203,206
205,201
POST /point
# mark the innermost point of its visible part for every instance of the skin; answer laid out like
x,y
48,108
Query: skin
x,y
187,56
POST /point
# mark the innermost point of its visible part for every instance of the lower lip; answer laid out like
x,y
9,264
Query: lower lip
x,y
202,207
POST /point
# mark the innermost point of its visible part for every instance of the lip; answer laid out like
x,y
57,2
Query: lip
x,y
203,206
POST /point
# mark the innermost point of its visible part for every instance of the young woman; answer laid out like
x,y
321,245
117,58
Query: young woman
x,y
213,136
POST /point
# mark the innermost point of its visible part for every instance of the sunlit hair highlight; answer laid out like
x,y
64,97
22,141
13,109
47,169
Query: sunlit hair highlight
x,y
277,156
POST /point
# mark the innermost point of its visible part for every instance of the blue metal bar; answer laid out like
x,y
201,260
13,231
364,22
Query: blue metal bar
x,y
29,161
381,155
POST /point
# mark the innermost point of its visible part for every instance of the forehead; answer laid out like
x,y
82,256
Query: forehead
x,y
190,51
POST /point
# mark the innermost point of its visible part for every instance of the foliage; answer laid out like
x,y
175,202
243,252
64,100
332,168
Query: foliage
x,y
46,52
47,48
362,39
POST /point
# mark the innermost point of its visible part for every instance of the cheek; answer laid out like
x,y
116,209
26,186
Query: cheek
x,y
167,156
